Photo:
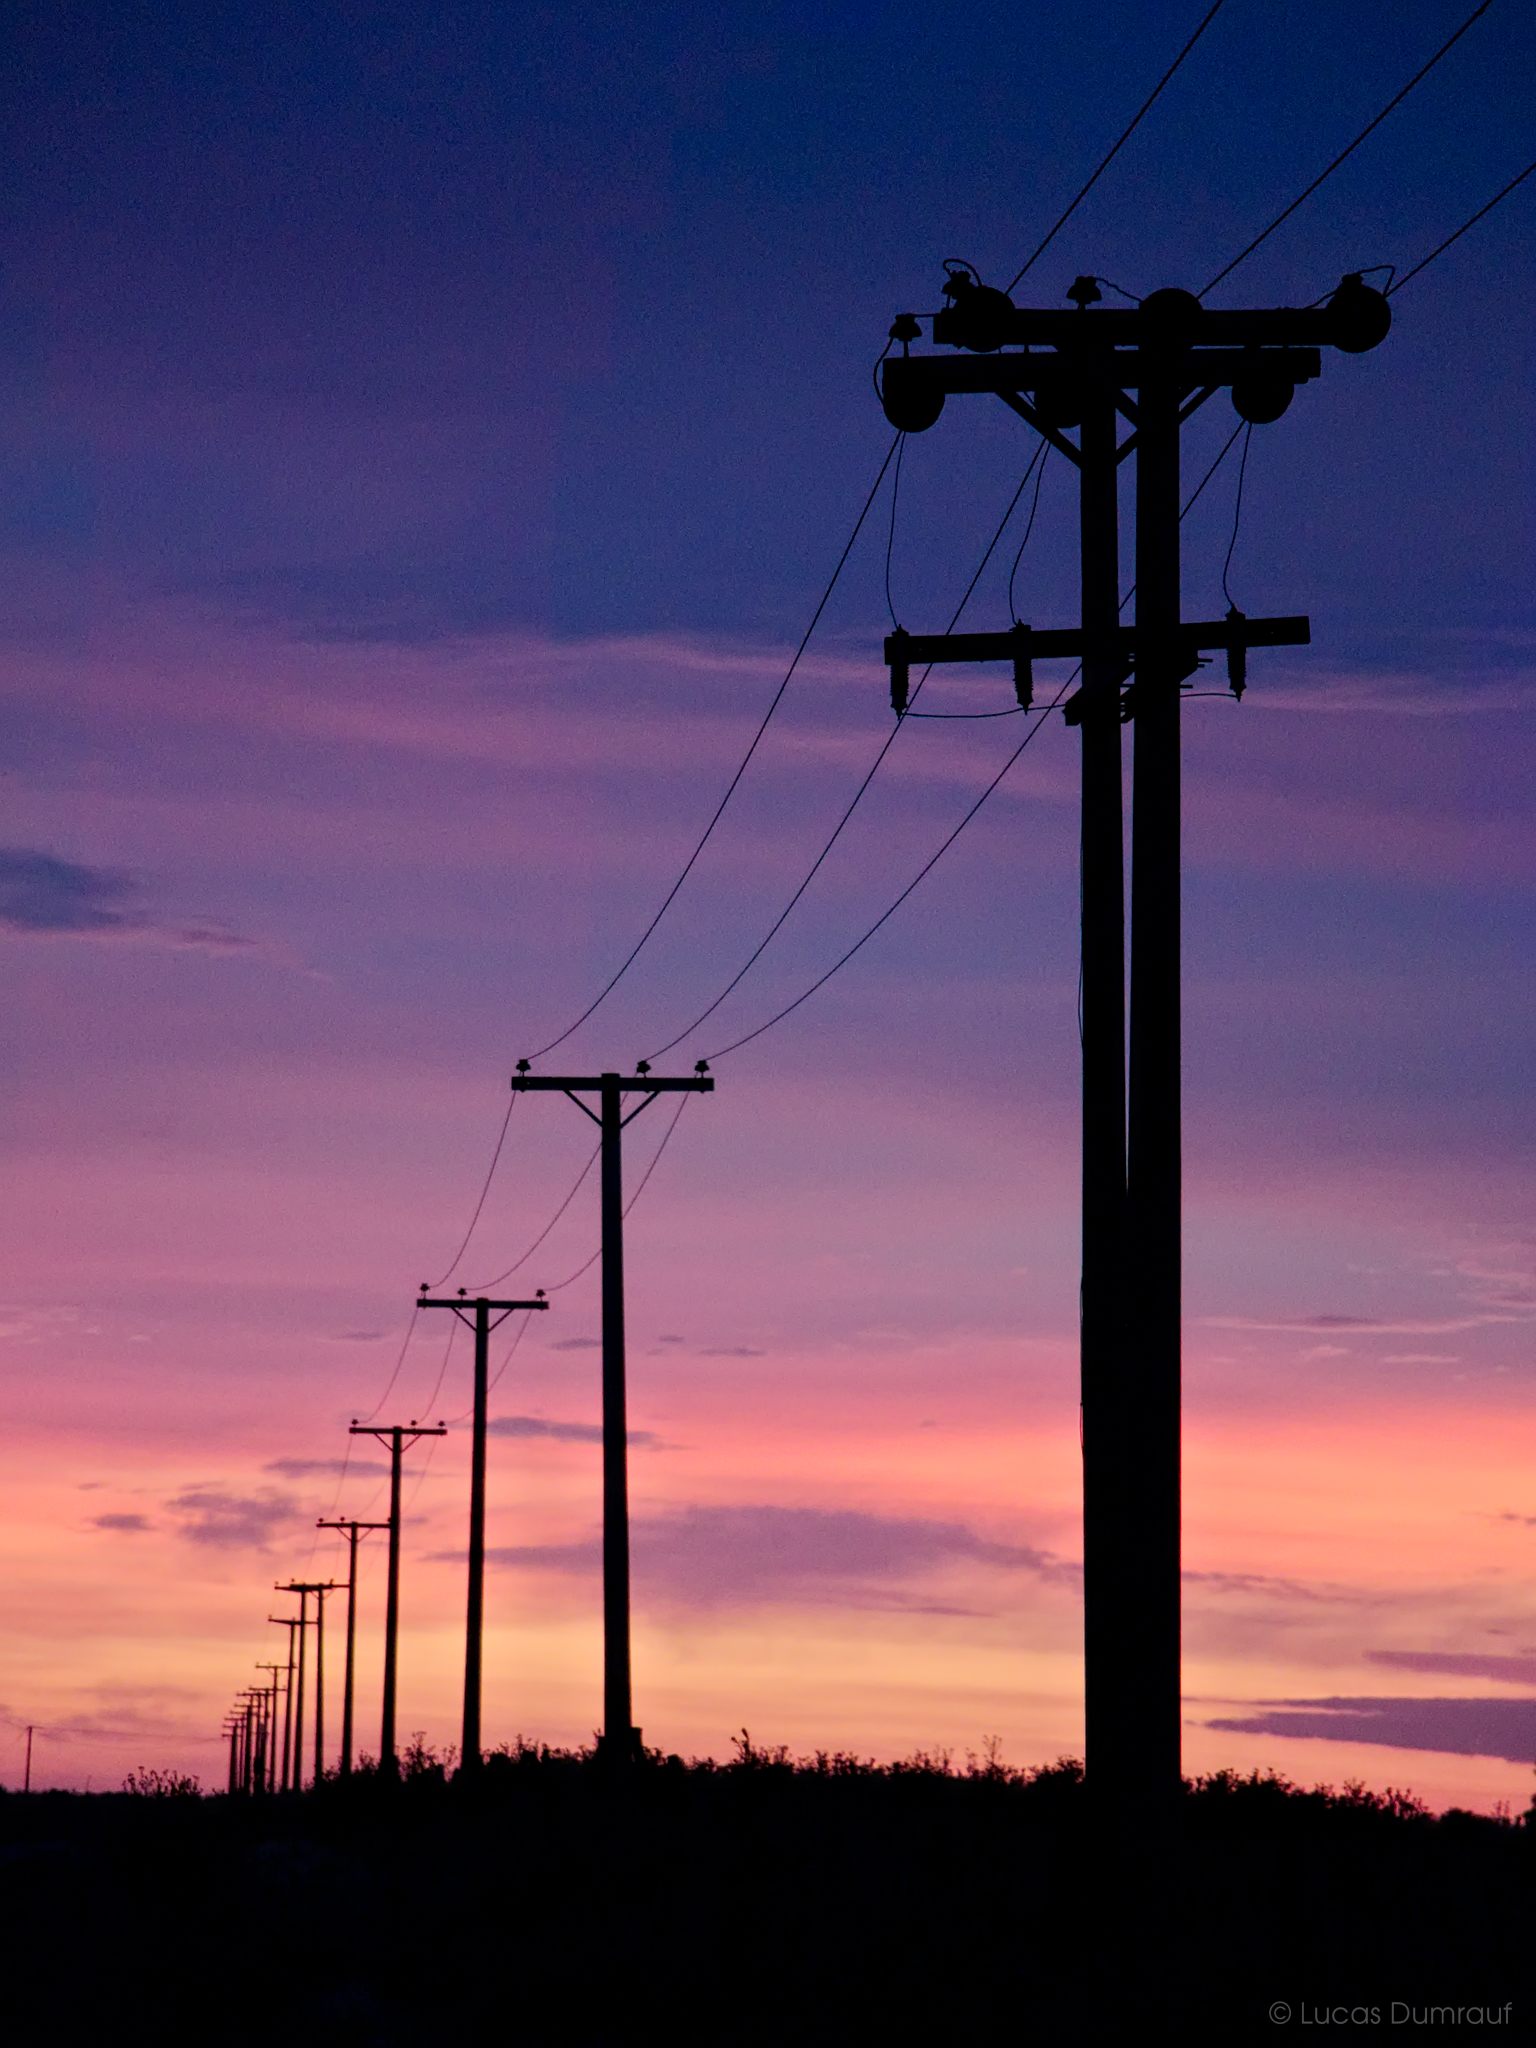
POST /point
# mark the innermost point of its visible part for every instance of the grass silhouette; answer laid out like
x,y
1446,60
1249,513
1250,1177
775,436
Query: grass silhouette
x,y
766,1898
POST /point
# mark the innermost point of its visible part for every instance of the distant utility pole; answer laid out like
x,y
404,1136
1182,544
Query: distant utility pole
x,y
1151,365
232,1732
394,1440
319,1588
291,1622
271,1773
353,1531
619,1742
26,1783
476,1315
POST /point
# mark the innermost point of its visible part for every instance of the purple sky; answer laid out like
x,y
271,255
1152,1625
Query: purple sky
x,y
425,436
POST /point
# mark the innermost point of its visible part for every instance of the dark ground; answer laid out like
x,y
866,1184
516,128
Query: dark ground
x,y
752,1903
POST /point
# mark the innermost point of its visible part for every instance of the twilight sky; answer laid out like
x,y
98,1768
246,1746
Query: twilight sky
x,y
425,434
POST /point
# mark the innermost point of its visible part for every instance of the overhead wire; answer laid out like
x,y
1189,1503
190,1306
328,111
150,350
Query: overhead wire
x,y
1237,515
685,1096
1440,248
1124,137
719,811
490,1175
853,803
523,1258
949,840
1344,154
890,538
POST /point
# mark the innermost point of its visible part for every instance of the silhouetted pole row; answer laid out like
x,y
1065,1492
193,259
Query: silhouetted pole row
x,y
318,1588
271,1713
474,1630
620,1740
291,1622
1153,365
394,1440
352,1530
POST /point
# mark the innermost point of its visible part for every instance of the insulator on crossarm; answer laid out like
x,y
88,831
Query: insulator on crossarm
x,y
1023,668
1237,653
901,670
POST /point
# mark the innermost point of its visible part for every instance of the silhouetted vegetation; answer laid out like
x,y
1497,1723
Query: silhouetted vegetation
x,y
764,1898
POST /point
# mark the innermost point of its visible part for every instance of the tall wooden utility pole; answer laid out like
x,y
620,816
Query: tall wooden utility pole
x,y
619,1742
477,1316
352,1530
394,1440
1151,365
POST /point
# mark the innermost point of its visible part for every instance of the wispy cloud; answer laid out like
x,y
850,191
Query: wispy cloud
x,y
43,896
1397,1326
707,1556
231,1520
122,1525
564,1432
1459,1664
1502,1728
317,1468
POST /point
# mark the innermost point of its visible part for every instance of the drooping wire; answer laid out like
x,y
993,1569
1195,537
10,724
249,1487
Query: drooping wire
x,y
484,1286
389,1384
442,1371
885,747
730,790
890,538
1344,154
684,1098
1043,454
1125,135
1237,516
1441,247
495,1379
934,858
927,867
490,1175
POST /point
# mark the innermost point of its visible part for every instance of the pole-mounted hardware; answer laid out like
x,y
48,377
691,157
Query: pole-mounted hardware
x,y
620,1739
477,1315
1124,380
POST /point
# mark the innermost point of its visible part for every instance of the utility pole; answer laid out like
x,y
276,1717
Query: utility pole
x,y
394,1440
232,1732
353,1531
26,1783
289,1622
619,1742
1152,365
270,1783
480,1322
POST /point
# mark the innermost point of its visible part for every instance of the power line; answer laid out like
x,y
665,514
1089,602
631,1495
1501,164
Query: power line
x,y
687,868
483,1286
890,538
929,864
431,1400
1124,137
1237,513
666,1136
490,1175
885,747
389,1384
936,857
1440,249
1370,127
